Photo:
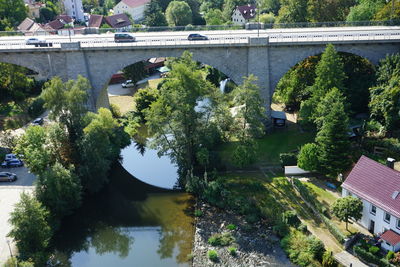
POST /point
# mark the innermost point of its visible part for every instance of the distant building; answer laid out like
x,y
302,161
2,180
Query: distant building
x,y
95,21
34,8
378,186
74,9
120,21
243,14
135,8
29,27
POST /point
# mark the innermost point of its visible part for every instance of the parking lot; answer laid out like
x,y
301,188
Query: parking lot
x,y
9,196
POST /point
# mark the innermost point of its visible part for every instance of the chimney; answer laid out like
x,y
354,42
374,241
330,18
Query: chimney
x,y
390,162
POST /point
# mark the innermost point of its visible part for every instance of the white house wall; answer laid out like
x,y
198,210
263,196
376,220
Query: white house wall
x,y
137,13
237,18
367,216
74,9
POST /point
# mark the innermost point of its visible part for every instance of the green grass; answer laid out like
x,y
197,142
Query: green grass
x,y
271,145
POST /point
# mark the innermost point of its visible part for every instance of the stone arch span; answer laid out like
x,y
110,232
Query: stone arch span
x,y
232,62
283,59
30,61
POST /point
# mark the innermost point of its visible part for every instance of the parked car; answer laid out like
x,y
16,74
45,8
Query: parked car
x,y
7,177
38,121
12,163
127,83
37,42
10,157
196,37
124,37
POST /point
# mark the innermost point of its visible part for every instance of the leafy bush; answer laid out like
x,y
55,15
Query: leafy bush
x,y
303,228
373,249
223,239
213,255
231,227
369,257
280,229
288,159
328,260
198,213
115,111
316,247
390,255
36,107
290,218
232,251
252,218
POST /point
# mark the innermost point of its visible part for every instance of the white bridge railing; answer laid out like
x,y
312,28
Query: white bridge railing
x,y
275,38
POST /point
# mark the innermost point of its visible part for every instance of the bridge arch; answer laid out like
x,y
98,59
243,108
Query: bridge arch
x,y
29,61
223,63
283,60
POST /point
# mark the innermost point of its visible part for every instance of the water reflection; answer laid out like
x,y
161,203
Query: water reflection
x,y
129,223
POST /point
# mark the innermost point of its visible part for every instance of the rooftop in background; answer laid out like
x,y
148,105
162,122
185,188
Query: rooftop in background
x,y
391,237
118,21
95,20
247,11
135,3
67,19
375,183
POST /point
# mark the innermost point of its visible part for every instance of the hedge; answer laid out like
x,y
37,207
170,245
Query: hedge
x,y
369,257
334,230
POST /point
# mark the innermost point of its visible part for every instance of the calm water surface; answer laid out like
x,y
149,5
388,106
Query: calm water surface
x,y
129,223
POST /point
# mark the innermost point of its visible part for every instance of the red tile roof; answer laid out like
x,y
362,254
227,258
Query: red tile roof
x,y
391,237
135,3
95,20
247,11
375,183
55,24
65,18
26,24
118,21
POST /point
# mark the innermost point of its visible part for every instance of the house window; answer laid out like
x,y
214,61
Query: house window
x,y
398,224
386,217
373,209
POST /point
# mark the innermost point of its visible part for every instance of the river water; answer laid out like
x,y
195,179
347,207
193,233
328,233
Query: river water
x,y
129,223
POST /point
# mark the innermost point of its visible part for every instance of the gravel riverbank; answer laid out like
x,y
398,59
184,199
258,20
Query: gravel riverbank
x,y
256,245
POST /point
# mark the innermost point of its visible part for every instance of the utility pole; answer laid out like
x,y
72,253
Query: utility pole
x,y
258,18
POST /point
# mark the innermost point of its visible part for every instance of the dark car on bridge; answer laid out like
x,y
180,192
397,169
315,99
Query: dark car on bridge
x,y
12,163
196,37
124,37
7,177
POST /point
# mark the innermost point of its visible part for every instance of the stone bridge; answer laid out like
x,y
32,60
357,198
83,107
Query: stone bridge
x,y
265,57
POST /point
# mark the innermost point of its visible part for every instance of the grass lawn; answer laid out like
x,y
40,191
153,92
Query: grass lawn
x,y
271,145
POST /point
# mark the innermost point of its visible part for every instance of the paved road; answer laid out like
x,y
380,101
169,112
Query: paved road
x,y
221,37
9,196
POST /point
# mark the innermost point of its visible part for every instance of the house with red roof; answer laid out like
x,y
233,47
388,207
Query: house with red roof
x,y
135,8
243,14
119,21
378,186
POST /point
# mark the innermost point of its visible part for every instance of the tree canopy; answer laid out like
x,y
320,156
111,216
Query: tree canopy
x,y
178,13
347,208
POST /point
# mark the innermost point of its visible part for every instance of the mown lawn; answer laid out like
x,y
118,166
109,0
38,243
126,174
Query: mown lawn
x,y
271,145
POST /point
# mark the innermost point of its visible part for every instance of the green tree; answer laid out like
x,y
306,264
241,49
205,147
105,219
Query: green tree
x,y
249,119
270,6
59,189
308,157
332,140
365,10
178,13
325,105
331,10
99,147
14,83
388,13
211,4
292,11
32,145
267,18
179,126
143,99
347,208
329,73
153,15
12,13
134,72
214,17
30,229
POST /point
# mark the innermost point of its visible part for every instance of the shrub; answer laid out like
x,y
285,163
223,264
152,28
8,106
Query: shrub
x,y
198,213
252,218
290,218
280,229
213,255
328,260
36,107
369,257
303,228
231,227
232,251
316,247
390,255
288,159
223,239
373,249
115,111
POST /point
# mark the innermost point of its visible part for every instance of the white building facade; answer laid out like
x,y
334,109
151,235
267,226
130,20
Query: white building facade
x,y
135,8
74,9
243,14
378,187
